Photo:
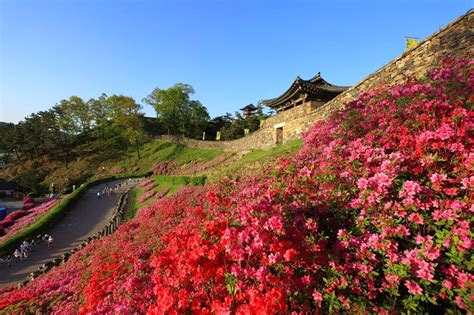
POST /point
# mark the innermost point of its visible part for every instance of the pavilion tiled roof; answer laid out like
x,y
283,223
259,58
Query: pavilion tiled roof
x,y
249,107
316,87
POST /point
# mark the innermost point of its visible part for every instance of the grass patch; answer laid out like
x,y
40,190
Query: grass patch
x,y
159,151
257,156
132,206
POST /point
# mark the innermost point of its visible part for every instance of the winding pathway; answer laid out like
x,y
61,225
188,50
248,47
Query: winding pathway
x,y
88,216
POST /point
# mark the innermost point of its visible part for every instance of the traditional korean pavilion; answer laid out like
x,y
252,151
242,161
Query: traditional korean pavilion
x,y
249,110
316,90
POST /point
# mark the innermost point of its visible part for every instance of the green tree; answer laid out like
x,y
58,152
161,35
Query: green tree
x,y
100,114
9,140
126,115
218,123
178,114
79,116
240,122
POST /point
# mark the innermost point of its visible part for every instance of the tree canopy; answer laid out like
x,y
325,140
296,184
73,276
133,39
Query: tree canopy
x,y
176,112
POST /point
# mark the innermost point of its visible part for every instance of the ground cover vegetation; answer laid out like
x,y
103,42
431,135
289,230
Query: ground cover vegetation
x,y
374,214
174,156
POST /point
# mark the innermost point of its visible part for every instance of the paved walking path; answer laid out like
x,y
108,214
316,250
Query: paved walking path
x,y
88,216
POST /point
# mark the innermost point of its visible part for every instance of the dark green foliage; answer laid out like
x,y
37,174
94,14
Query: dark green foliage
x,y
236,129
31,180
177,113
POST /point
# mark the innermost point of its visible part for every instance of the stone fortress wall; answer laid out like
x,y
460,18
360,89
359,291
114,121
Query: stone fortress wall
x,y
456,40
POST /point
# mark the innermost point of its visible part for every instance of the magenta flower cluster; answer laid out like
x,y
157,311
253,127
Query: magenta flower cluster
x,y
147,196
198,167
164,168
20,219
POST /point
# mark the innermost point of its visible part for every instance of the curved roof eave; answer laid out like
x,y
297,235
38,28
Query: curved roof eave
x,y
316,83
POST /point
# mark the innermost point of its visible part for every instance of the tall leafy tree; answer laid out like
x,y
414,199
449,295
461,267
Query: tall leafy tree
x,y
65,129
79,114
100,114
219,123
10,140
240,122
126,115
178,114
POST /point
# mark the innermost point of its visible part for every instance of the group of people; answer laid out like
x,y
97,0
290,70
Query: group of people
x,y
106,191
26,247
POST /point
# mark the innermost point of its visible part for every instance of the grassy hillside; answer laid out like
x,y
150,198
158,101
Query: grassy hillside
x,y
93,164
100,164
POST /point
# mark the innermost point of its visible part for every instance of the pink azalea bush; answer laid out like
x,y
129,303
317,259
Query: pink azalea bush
x,y
145,183
161,193
147,196
113,275
164,168
150,186
198,167
374,215
20,219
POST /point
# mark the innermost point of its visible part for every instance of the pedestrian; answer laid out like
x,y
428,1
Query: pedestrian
x,y
24,252
9,260
98,195
50,241
18,255
38,239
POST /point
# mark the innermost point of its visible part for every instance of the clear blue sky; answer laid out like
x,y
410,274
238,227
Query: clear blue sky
x,y
232,52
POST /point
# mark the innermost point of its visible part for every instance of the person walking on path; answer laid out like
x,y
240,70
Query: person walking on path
x,y
98,195
18,255
50,241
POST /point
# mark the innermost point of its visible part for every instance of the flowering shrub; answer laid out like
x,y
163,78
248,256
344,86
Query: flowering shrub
x,y
149,186
146,196
28,200
163,168
19,219
145,183
373,215
198,167
161,193
112,275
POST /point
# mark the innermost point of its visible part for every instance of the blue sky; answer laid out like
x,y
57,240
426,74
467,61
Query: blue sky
x,y
232,52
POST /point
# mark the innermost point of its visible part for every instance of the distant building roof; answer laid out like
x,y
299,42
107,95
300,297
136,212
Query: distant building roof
x,y
316,88
4,185
249,108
